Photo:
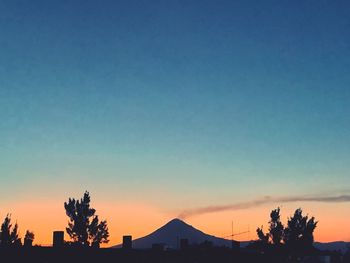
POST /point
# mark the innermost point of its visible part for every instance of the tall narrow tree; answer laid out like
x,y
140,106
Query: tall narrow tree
x,y
275,234
276,227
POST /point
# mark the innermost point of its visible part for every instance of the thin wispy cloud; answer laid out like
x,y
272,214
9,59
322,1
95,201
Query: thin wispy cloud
x,y
265,200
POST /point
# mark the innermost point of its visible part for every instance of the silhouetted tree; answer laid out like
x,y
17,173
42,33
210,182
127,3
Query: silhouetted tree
x,y
84,226
28,239
275,234
298,235
276,227
9,235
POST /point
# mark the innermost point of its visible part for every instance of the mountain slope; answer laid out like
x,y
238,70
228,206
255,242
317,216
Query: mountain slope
x,y
333,246
172,232
176,229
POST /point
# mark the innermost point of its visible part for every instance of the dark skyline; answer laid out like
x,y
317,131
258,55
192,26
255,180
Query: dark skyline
x,y
157,107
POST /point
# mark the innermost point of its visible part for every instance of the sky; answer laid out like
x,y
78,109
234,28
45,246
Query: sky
x,y
156,107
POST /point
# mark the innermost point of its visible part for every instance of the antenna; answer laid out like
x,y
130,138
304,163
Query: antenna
x,y
248,232
232,230
235,234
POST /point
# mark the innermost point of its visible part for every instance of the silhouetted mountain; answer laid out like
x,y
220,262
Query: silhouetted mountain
x,y
333,246
176,229
171,233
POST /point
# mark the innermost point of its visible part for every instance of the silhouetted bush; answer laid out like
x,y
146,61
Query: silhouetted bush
x,y
28,239
9,235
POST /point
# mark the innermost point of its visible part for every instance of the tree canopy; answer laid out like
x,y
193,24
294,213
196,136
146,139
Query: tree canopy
x,y
84,226
9,233
299,231
296,236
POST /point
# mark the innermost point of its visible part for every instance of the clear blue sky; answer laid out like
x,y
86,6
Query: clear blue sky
x,y
202,100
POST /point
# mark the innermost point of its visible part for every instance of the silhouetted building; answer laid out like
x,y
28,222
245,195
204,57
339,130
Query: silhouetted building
x,y
58,239
28,242
158,247
184,243
127,242
235,245
206,245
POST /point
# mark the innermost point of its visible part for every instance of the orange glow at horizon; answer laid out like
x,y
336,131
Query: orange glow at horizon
x,y
332,221
45,216
137,219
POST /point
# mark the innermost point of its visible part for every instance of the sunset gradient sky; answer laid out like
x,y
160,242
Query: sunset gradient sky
x,y
160,106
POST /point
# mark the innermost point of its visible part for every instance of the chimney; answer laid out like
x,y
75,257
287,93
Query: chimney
x,y
58,239
127,242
